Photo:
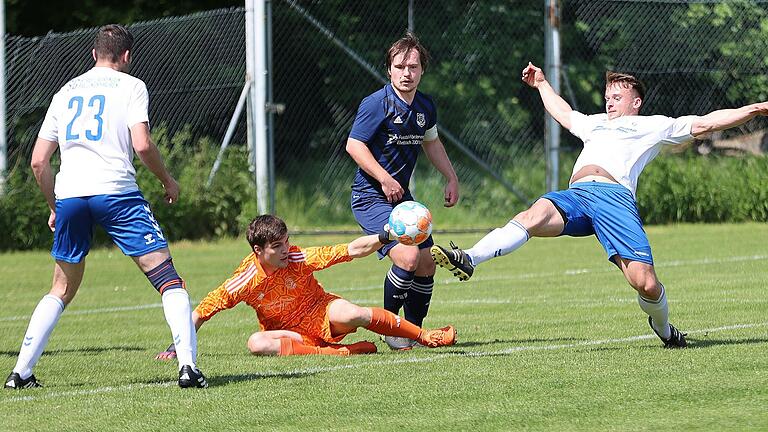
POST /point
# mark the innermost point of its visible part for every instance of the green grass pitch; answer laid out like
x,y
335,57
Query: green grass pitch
x,y
550,338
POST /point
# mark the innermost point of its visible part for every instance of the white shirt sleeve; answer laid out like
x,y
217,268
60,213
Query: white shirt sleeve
x,y
679,130
49,130
581,125
138,105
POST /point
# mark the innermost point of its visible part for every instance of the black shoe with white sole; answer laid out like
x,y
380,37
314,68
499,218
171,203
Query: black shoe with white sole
x,y
455,261
191,377
14,381
676,337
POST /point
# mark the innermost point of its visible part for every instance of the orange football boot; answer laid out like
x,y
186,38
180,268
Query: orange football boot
x,y
444,336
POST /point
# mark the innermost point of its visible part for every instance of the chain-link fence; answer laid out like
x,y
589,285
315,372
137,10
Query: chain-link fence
x,y
694,57
327,55
194,68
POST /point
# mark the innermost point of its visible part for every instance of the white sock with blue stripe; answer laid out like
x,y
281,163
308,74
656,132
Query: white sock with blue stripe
x,y
498,242
41,324
658,310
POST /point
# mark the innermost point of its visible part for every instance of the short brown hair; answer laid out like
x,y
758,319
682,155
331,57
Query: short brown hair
x,y
112,41
404,45
626,81
265,229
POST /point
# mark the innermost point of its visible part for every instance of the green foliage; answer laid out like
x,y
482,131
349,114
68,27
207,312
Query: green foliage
x,y
23,213
201,213
674,188
681,51
25,18
699,189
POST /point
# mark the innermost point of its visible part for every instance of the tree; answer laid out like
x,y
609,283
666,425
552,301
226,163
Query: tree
x,y
35,18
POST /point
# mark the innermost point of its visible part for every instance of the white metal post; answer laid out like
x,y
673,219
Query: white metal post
x,y
230,131
3,138
552,71
412,182
255,63
271,108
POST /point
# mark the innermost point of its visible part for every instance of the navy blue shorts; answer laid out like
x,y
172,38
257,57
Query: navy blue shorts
x,y
608,211
125,217
372,213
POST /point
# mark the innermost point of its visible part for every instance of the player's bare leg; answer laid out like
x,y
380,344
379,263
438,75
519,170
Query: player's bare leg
x,y
67,278
286,342
652,298
346,317
542,219
268,342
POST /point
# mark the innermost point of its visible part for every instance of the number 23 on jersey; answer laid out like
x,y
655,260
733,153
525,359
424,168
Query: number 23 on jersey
x,y
90,118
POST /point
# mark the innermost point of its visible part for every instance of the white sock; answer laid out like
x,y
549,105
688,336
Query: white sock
x,y
498,242
178,314
41,324
658,310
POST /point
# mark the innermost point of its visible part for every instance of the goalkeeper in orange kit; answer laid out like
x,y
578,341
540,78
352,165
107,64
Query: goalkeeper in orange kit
x,y
296,316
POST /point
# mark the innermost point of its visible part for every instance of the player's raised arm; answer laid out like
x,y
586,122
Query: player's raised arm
x,y
727,118
555,105
365,160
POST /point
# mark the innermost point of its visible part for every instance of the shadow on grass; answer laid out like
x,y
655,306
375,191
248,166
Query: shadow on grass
x,y
81,351
705,342
222,380
468,344
517,350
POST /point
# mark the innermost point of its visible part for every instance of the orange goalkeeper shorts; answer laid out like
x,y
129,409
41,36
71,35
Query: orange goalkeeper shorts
x,y
315,325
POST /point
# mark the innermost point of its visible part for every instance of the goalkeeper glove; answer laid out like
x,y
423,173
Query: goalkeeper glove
x,y
386,235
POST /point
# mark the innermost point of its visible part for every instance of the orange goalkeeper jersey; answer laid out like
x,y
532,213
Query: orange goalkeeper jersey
x,y
282,299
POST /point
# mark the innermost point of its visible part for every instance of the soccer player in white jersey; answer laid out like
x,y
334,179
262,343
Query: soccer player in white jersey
x,y
97,120
601,196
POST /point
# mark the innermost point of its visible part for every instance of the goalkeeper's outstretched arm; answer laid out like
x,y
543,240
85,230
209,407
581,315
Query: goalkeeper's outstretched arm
x,y
366,245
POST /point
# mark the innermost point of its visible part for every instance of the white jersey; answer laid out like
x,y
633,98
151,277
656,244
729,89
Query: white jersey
x,y
90,118
625,145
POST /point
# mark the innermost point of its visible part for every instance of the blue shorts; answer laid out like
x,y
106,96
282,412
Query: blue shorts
x,y
608,211
125,217
372,213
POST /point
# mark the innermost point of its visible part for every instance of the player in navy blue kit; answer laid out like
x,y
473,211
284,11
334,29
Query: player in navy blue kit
x,y
392,127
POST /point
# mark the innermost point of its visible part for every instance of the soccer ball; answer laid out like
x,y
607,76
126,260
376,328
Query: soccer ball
x,y
411,222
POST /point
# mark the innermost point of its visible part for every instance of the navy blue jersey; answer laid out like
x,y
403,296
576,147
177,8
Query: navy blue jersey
x,y
394,132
